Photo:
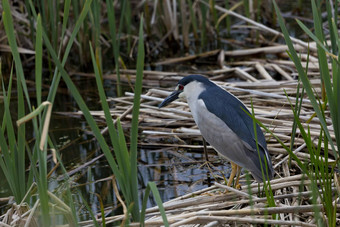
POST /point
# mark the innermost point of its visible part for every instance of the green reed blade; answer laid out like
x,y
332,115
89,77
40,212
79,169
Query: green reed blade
x,y
9,28
79,23
326,78
193,19
115,38
302,73
21,141
117,138
153,188
7,163
135,116
67,5
38,60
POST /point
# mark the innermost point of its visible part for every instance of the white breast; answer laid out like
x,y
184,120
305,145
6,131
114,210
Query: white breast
x,y
190,93
213,129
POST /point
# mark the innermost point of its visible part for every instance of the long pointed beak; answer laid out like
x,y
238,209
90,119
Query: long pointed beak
x,y
172,97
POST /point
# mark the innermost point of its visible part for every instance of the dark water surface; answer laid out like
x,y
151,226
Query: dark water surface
x,y
174,174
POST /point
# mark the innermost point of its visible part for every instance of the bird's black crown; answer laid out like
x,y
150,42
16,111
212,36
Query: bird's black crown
x,y
185,80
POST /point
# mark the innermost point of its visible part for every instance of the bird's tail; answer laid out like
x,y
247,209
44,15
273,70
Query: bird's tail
x,y
266,165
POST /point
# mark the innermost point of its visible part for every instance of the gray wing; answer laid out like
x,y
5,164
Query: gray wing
x,y
232,112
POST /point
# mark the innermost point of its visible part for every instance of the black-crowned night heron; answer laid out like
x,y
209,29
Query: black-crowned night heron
x,y
223,122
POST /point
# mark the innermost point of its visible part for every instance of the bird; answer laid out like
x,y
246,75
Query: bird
x,y
224,123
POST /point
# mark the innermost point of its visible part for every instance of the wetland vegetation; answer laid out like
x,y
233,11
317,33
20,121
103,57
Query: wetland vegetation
x,y
83,143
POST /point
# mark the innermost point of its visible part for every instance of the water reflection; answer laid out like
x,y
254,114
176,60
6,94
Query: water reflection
x,y
175,172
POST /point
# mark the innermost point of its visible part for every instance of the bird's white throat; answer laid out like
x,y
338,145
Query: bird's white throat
x,y
191,91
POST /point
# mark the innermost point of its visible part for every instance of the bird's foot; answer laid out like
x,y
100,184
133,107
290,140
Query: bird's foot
x,y
207,164
238,186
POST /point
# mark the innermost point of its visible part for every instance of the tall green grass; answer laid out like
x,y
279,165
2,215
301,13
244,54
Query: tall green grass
x,y
266,188
95,18
13,142
203,28
320,172
15,147
115,37
124,163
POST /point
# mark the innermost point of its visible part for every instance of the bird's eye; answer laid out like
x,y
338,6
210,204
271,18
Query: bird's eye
x,y
180,87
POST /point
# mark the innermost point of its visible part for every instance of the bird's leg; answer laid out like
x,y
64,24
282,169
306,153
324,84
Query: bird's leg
x,y
234,168
205,149
205,153
207,160
237,185
207,163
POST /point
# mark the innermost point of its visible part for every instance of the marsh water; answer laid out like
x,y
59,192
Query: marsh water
x,y
175,173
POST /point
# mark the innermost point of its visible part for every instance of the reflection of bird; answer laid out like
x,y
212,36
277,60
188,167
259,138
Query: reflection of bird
x,y
223,122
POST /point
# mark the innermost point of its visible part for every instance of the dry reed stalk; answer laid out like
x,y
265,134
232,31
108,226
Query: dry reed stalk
x,y
187,58
262,50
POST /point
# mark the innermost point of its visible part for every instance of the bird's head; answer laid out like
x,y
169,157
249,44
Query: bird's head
x,y
189,85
